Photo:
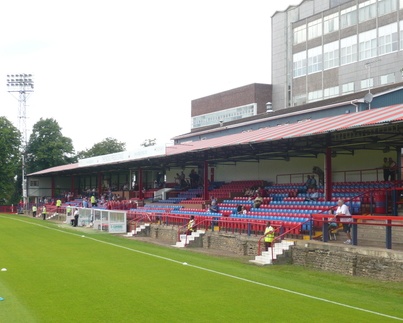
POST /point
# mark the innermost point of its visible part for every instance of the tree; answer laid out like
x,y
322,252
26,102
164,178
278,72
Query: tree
x,y
47,147
105,147
10,166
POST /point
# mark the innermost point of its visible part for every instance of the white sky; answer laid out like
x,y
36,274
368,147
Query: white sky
x,y
128,69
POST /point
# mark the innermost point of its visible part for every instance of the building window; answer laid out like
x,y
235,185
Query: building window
x,y
331,55
300,34
34,183
388,79
331,23
348,17
299,64
367,83
348,50
315,29
401,33
314,60
331,92
386,6
387,39
367,44
315,96
347,88
367,10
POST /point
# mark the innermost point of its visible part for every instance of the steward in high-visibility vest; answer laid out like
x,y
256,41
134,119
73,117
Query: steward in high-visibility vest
x,y
191,225
44,212
58,205
93,201
268,236
34,209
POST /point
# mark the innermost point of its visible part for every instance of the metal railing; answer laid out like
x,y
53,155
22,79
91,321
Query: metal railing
x,y
362,220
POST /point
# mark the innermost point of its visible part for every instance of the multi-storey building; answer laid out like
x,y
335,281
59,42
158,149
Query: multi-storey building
x,y
325,49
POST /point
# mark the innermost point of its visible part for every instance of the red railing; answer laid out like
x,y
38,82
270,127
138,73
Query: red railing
x,y
360,220
183,229
279,237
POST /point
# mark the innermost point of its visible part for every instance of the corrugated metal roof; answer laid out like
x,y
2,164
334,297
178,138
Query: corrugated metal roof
x,y
304,128
56,169
286,131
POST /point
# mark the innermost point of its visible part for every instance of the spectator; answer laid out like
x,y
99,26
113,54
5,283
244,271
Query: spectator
x,y
182,179
76,215
34,209
313,195
85,202
392,169
249,192
308,182
191,227
342,210
214,206
331,226
268,236
258,201
385,167
261,191
313,182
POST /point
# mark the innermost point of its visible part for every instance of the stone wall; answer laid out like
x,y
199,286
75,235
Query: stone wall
x,y
376,263
239,244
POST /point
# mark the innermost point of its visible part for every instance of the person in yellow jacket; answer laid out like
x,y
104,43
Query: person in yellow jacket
x,y
58,205
93,201
191,225
44,212
268,236
34,209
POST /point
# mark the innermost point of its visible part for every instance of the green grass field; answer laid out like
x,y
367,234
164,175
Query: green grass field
x,y
56,273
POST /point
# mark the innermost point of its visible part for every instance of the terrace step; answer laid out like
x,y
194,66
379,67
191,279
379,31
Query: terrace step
x,y
278,249
187,239
138,230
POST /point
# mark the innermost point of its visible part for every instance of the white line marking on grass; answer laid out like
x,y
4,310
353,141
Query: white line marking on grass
x,y
218,272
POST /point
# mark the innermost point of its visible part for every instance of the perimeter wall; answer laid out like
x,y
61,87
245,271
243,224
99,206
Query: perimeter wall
x,y
374,263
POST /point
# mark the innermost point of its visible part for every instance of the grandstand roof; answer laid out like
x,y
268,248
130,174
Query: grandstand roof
x,y
369,129
304,128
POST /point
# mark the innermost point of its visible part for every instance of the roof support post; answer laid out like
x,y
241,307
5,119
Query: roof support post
x,y
99,184
140,183
52,187
205,181
328,174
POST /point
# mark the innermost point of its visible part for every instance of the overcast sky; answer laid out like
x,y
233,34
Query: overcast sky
x,y
128,69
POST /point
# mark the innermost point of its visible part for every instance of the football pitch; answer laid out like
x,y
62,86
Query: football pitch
x,y
56,273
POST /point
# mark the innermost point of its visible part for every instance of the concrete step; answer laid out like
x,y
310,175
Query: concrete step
x,y
267,257
186,239
138,229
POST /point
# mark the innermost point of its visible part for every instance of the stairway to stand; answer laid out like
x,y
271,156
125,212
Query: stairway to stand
x,y
187,239
138,230
278,249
